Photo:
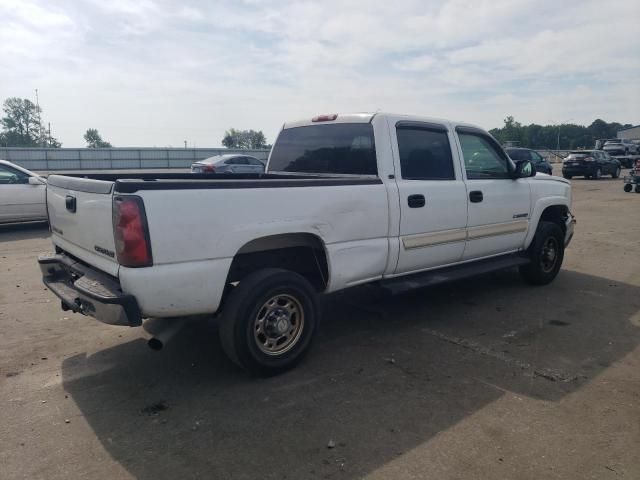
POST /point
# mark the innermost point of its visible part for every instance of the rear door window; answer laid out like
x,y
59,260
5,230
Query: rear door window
x,y
425,154
339,148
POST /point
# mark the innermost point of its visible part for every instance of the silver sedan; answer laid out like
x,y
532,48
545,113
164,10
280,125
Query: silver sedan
x,y
22,195
230,163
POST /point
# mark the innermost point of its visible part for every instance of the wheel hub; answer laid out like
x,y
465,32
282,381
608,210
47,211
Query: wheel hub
x,y
278,324
549,254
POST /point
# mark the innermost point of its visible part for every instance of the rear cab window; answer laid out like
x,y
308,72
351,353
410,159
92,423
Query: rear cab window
x,y
339,148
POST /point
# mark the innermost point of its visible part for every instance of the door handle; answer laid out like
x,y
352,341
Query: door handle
x,y
70,203
475,196
416,201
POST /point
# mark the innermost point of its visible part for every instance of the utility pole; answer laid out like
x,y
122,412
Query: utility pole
x,y
39,120
49,125
185,144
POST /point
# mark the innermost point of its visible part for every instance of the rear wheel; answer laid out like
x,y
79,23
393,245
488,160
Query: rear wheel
x,y
628,187
616,173
546,253
598,174
638,188
567,176
269,321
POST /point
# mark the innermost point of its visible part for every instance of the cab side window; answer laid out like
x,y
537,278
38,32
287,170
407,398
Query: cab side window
x,y
425,154
482,159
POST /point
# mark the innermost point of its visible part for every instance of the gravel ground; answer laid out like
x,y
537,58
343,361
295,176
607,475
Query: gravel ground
x,y
481,379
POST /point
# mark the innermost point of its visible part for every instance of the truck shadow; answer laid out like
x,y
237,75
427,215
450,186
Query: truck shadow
x,y
23,231
386,375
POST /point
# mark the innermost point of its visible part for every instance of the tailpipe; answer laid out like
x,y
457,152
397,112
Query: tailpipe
x,y
162,330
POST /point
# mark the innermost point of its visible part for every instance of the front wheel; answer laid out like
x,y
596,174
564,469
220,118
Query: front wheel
x,y
546,253
628,187
269,321
616,174
567,176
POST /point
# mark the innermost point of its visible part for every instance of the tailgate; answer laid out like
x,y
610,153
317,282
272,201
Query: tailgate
x,y
80,215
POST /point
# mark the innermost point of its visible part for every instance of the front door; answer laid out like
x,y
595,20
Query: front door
x,y
499,206
433,202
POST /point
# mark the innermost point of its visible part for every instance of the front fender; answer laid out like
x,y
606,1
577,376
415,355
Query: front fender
x,y
540,206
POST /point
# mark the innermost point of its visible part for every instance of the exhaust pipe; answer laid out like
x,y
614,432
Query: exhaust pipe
x,y
162,330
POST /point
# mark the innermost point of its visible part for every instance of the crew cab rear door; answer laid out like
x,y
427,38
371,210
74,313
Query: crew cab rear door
x,y
80,217
433,202
498,205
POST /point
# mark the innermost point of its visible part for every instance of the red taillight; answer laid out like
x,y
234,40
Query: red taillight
x,y
209,168
131,232
325,118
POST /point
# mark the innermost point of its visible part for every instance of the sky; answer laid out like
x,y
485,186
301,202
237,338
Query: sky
x,y
162,72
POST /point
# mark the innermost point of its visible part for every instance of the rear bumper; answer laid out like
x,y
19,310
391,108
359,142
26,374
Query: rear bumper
x,y
570,224
88,291
580,170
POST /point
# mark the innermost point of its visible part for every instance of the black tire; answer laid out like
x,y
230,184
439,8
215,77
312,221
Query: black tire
x,y
242,331
628,187
598,174
567,176
542,270
638,188
616,173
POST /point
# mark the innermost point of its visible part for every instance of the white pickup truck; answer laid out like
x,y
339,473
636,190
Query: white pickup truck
x,y
401,200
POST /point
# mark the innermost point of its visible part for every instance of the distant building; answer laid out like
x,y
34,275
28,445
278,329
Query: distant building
x,y
631,133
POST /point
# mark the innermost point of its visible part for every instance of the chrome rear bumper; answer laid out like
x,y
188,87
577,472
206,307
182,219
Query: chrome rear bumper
x,y
88,291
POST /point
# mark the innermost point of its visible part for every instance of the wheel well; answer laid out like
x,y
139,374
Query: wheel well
x,y
303,253
556,214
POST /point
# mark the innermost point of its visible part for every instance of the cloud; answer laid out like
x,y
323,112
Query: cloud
x,y
157,72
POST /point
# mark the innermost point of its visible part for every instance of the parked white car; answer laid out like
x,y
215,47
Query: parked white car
x,y
22,195
399,200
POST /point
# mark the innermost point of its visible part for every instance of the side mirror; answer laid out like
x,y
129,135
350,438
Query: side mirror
x,y
36,181
524,169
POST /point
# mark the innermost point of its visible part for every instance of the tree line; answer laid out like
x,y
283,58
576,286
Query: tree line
x,y
562,137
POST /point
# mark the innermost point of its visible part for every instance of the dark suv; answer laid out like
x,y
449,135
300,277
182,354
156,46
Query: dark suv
x,y
590,164
532,156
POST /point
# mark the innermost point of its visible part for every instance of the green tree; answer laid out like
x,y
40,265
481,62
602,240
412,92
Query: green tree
x,y
21,125
568,135
94,140
249,139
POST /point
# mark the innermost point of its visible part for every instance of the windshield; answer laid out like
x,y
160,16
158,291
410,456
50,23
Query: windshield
x,y
342,148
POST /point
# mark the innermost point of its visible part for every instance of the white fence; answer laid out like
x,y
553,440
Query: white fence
x,y
52,159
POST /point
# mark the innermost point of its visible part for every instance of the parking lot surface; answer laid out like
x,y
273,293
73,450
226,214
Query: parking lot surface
x,y
482,379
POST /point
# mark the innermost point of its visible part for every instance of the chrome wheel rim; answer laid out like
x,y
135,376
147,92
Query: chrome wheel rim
x,y
278,324
549,255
